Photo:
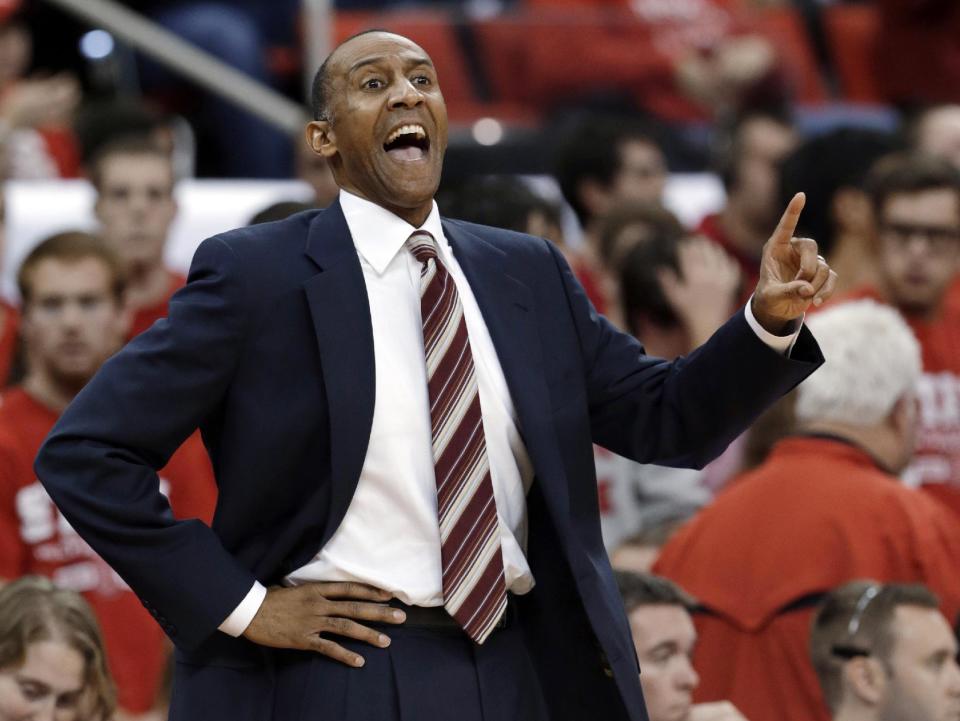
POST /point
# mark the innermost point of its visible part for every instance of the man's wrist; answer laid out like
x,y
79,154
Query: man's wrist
x,y
771,324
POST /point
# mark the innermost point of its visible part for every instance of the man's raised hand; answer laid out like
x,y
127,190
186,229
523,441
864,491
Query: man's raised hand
x,y
296,617
792,275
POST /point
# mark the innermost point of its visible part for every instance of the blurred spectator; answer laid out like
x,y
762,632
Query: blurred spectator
x,y
831,170
237,33
134,181
35,139
823,509
916,201
73,320
676,291
936,131
885,652
313,169
677,60
279,211
9,317
664,638
917,51
99,124
505,202
749,165
602,163
52,663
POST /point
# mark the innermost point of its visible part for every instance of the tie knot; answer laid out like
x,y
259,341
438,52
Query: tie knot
x,y
423,246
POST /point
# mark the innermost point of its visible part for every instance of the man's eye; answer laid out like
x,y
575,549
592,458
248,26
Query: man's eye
x,y
373,83
421,80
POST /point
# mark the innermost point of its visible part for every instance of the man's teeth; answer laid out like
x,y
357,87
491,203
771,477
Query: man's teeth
x,y
408,130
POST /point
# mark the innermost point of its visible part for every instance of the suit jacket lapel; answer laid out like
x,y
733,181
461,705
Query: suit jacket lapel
x,y
509,312
340,309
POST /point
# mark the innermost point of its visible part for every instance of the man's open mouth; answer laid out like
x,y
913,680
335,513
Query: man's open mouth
x,y
408,142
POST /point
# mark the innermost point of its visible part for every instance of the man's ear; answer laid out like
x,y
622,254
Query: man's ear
x,y
865,679
321,138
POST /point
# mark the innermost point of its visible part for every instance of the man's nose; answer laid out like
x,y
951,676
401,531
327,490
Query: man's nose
x,y
407,95
687,677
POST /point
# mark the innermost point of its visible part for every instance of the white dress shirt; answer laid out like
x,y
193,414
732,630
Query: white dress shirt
x,y
390,535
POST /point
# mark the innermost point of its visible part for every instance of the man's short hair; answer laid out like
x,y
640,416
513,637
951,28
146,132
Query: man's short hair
x,y
646,589
128,145
910,172
71,247
320,88
856,619
822,167
872,360
590,150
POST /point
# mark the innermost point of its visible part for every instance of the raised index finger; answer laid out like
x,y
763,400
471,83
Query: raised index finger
x,y
788,221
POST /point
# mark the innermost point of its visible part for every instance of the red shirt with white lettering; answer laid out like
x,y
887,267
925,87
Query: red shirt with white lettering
x,y
36,539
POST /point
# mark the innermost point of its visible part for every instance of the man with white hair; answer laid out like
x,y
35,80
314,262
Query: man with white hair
x,y
823,509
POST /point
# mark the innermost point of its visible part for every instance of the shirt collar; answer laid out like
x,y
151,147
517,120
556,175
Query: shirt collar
x,y
378,234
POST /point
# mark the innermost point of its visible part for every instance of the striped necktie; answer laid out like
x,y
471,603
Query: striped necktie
x,y
474,592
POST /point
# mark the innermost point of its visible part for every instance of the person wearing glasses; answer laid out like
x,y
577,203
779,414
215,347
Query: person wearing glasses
x,y
885,652
916,203
823,509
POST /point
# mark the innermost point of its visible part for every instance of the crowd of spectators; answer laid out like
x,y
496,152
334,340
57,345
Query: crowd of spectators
x,y
810,572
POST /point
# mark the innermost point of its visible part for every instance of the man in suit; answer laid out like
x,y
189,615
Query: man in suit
x,y
348,368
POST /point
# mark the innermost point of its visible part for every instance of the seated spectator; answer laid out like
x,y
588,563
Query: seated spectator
x,y
675,291
832,170
73,320
604,162
884,652
936,131
823,509
916,203
664,637
503,201
35,139
749,164
52,664
135,206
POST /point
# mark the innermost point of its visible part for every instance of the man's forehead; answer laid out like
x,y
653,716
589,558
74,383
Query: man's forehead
x,y
374,46
922,630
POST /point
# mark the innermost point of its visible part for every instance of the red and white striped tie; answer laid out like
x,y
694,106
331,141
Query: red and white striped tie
x,y
474,592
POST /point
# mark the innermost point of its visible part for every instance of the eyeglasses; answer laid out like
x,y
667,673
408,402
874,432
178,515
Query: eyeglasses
x,y
847,650
939,238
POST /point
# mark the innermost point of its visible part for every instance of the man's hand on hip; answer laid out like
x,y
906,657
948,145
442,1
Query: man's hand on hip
x,y
792,275
296,617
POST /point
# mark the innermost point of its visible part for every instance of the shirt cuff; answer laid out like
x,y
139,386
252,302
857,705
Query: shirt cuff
x,y
782,344
243,614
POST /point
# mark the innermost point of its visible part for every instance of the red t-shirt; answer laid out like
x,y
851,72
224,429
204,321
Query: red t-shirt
x,y
936,461
145,317
36,539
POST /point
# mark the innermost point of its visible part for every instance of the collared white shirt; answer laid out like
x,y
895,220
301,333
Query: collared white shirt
x,y
390,535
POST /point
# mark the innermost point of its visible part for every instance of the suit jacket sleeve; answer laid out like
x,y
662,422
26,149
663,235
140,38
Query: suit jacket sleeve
x,y
685,412
99,463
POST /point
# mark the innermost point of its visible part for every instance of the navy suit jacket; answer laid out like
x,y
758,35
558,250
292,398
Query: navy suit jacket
x,y
269,350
